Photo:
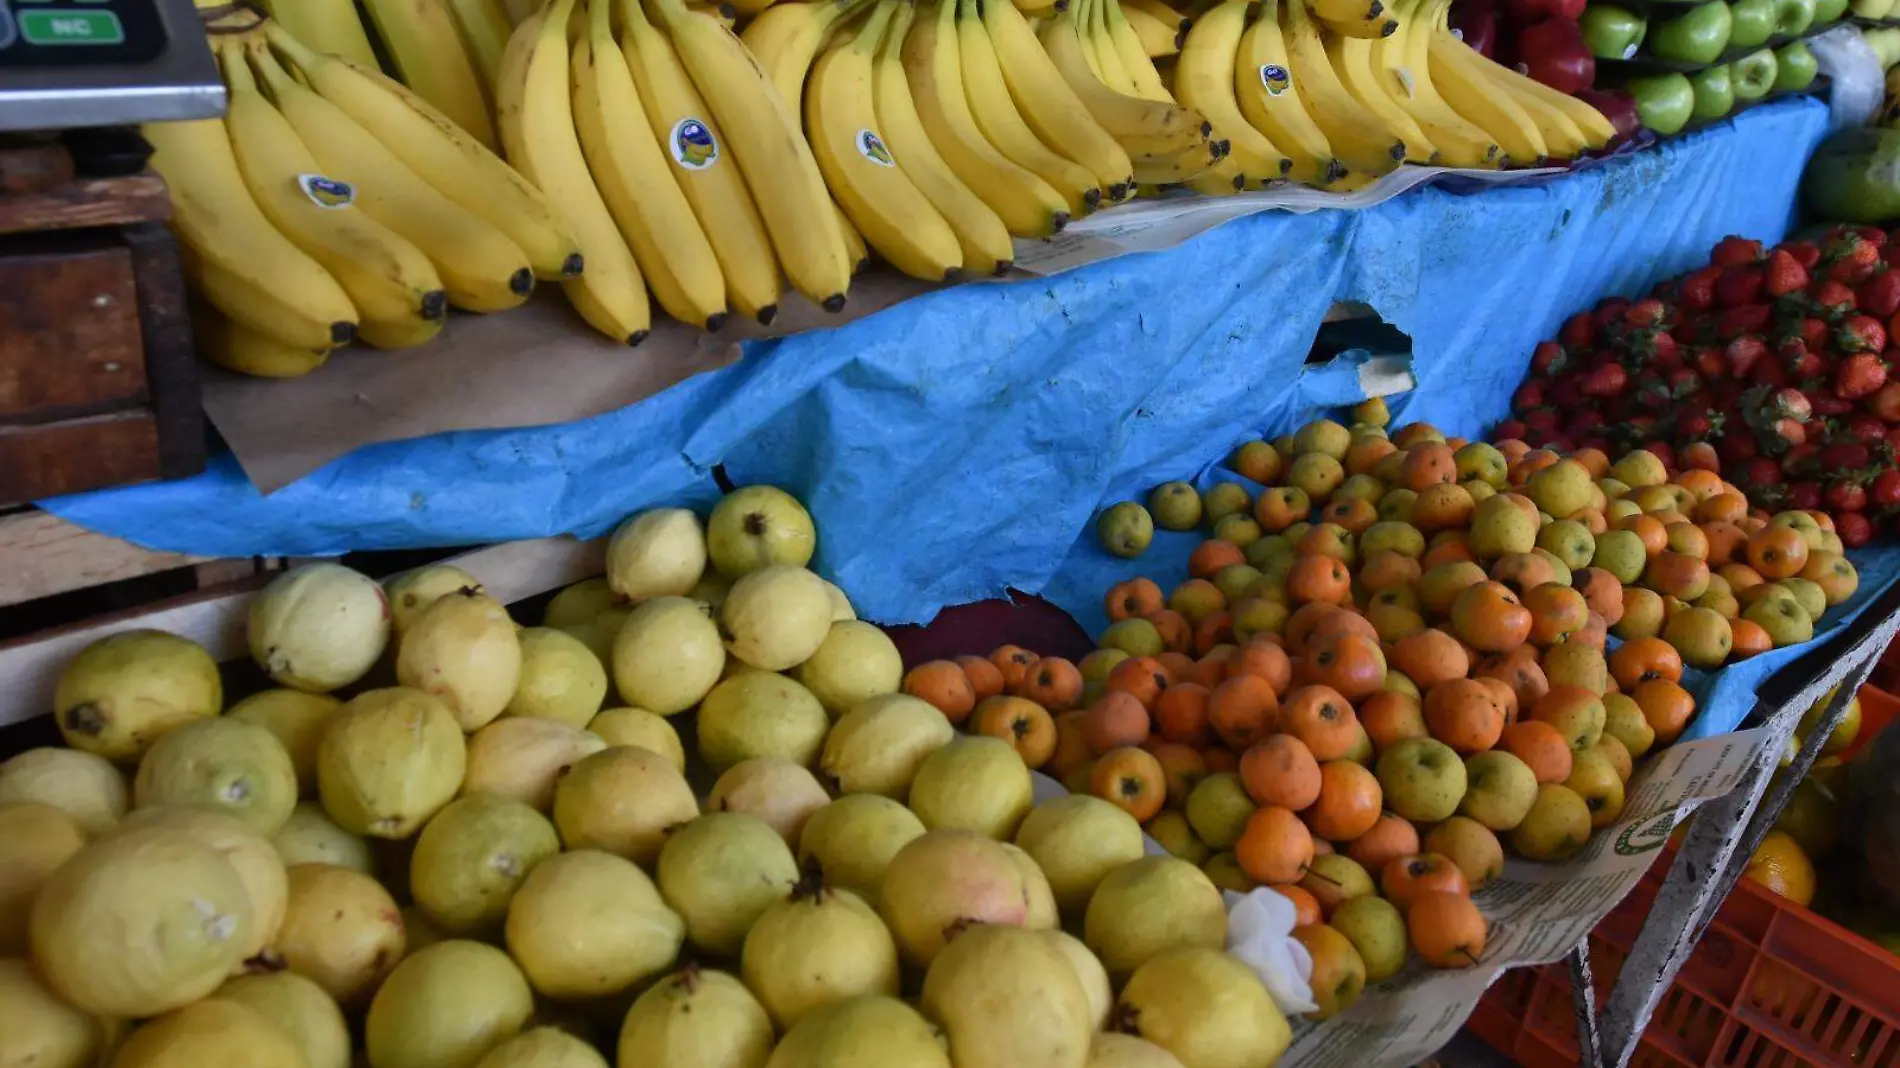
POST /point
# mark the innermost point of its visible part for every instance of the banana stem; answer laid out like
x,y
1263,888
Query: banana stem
x,y
872,32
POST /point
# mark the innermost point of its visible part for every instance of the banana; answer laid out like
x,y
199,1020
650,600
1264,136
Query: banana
x,y
536,116
727,15
1352,61
519,10
1040,8
236,347
481,269
232,254
984,240
1403,66
441,154
1159,37
1189,164
325,25
394,287
854,246
1472,95
1145,129
631,173
1595,128
1128,49
1047,103
1204,81
1270,101
1355,134
1355,18
422,41
709,179
1560,135
485,28
1103,57
765,138
996,116
869,182
1029,206
749,7
785,39
1223,179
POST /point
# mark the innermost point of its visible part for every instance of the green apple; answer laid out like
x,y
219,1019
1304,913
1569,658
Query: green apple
x,y
1126,529
1699,35
1335,878
1786,622
1793,17
1663,103
1753,75
1502,788
1176,506
1218,810
1714,98
1827,12
1423,779
1751,22
1224,500
1794,67
1557,825
1621,552
1613,32
1375,928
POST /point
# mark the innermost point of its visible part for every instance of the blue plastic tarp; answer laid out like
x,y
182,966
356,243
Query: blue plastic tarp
x,y
960,443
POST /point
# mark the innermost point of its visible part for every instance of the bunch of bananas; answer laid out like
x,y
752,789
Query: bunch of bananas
x,y
334,204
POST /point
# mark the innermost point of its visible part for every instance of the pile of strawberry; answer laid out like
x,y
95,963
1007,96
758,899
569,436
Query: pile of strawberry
x,y
1770,366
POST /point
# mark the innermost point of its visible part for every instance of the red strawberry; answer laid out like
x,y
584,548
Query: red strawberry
x,y
1548,358
1747,319
1700,456
1733,250
1884,492
1873,235
1788,432
1854,529
1543,419
1798,359
1860,375
1865,428
1510,429
1646,312
1579,331
1829,406
1879,295
1885,403
1692,425
1609,312
1739,285
1529,395
1789,404
1697,290
1783,274
1850,258
1831,299
1737,448
1893,440
1846,495
1607,380
1805,253
1744,353
1804,495
1664,452
1860,333
1711,362
1814,332
1842,455
1761,471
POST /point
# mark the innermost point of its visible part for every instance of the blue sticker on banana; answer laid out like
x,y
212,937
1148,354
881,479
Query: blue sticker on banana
x,y
326,192
692,145
1276,78
871,147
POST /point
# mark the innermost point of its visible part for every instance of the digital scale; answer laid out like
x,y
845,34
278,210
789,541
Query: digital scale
x,y
69,64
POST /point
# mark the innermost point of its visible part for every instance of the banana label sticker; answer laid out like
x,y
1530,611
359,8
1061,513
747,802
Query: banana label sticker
x,y
693,146
871,147
1276,78
326,192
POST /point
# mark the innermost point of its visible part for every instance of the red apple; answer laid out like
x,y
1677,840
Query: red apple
x,y
1553,52
1531,12
1618,107
1477,23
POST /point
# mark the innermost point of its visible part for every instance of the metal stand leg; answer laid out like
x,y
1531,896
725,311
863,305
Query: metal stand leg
x,y
1583,995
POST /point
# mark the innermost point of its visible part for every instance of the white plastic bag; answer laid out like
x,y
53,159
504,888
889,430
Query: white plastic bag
x,y
1859,83
1259,934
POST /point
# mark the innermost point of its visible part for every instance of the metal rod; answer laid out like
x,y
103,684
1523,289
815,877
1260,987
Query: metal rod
x,y
1583,997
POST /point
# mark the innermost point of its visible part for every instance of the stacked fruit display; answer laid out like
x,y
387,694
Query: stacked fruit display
x,y
1769,367
469,861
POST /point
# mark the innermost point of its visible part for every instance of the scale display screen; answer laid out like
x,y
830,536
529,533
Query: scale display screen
x,y
82,63
74,33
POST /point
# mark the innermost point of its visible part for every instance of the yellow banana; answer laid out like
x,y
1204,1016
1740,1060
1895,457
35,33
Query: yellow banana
x,y
1162,12
395,288
1560,135
727,15
1159,37
1204,81
1146,129
1271,103
443,155
1355,18
1471,94
1104,59
1352,61
481,269
1594,127
633,178
1128,49
1403,66
1223,179
236,347
421,39
706,174
232,254
984,240
325,25
536,116
854,246
1189,164
869,181
519,10
996,116
1029,206
785,39
485,28
763,132
1355,134
1048,104
749,7
1040,8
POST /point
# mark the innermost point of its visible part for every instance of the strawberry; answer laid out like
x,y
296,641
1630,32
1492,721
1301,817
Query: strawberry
x,y
1848,257
1700,456
1565,392
1743,353
1783,274
1846,495
1646,312
1842,455
1879,295
1509,430
1653,346
1609,312
1738,285
1814,333
1890,253
1737,448
1831,299
1865,428
1548,358
1747,319
1543,420
1854,529
1607,380
1861,333
1664,452
1790,404
1860,375
1696,292
1529,395
1732,251
1893,441
1761,471
1579,332
1793,354
1829,406
1804,495
1805,253
1884,491
1692,425
1710,362
1885,403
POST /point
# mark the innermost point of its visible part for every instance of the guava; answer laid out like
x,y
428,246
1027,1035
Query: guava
x,y
301,1009
140,922
35,840
878,746
855,662
472,857
37,1029
1150,905
637,726
259,869
341,930
1077,840
1206,1008
297,720
543,1047
760,714
124,692
310,836
583,602
853,839
589,924
774,789
816,946
1112,1049
318,627
1007,996
522,759
711,590
667,656
775,618
1089,972
213,1031
720,872
623,801
869,1031
975,783
841,609
945,879
697,1017
83,785
411,592
660,553
389,761
464,650
223,763
758,526
1039,899
561,678
446,1007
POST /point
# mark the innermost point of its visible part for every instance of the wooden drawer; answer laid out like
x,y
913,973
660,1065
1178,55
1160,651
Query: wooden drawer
x,y
70,341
